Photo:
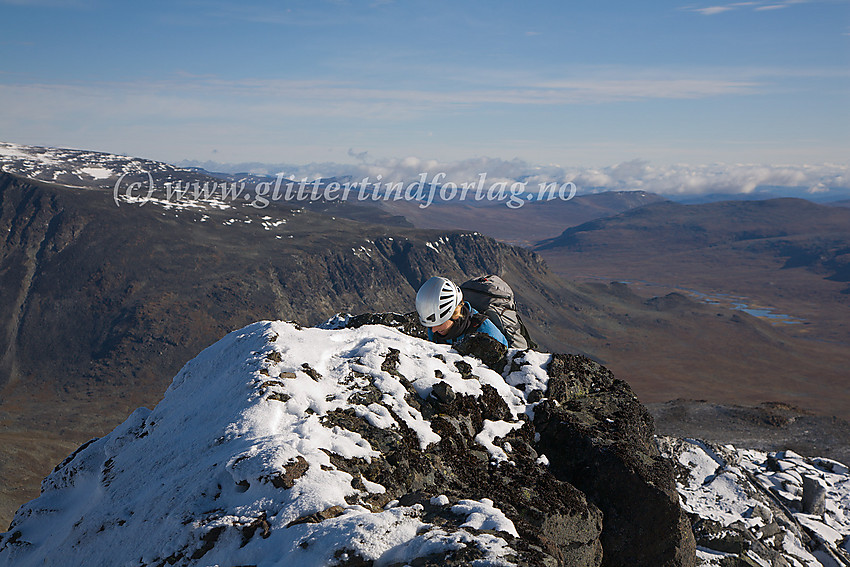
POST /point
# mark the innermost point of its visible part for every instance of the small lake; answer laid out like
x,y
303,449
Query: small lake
x,y
740,304
724,300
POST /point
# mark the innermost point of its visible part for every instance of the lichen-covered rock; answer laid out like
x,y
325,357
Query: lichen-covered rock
x,y
598,437
554,521
485,348
407,323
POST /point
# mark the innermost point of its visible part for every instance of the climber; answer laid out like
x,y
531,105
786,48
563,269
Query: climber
x,y
447,317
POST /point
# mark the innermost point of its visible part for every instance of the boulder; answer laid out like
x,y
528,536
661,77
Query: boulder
x,y
597,436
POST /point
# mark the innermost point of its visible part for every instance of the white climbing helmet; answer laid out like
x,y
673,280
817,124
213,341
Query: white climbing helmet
x,y
436,301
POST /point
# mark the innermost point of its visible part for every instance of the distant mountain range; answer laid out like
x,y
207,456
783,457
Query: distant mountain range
x,y
524,226
83,168
831,197
801,232
795,231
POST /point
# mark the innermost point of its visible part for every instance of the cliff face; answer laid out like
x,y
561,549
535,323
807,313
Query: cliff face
x,y
599,438
283,445
34,229
97,293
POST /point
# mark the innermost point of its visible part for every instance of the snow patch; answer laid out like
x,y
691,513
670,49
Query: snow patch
x,y
97,172
482,515
493,430
738,488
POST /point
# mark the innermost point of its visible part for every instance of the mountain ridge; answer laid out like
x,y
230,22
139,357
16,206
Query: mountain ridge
x,y
790,214
360,446
524,225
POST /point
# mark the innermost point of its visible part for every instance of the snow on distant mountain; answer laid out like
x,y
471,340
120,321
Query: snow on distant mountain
x,y
80,168
137,181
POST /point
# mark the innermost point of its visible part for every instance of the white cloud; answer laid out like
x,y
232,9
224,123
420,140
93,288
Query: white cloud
x,y
643,88
720,178
759,6
187,97
641,175
712,10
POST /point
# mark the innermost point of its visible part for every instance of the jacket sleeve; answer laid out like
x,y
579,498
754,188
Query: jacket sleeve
x,y
489,328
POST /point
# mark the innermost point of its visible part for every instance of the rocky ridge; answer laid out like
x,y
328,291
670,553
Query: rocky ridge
x,y
359,443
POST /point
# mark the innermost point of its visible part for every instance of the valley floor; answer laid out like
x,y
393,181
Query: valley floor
x,y
803,363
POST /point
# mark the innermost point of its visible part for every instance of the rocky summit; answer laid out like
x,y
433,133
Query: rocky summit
x,y
356,444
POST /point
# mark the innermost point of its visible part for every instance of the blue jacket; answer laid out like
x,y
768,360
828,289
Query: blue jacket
x,y
487,327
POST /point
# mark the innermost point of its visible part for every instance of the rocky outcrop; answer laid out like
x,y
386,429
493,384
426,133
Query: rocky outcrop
x,y
555,522
407,323
598,437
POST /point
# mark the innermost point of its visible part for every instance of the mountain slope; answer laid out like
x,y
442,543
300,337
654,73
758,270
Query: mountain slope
x,y
710,224
787,250
803,233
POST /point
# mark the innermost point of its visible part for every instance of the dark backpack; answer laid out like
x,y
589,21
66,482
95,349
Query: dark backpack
x,y
492,296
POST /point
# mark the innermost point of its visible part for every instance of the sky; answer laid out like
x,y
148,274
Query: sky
x,y
550,84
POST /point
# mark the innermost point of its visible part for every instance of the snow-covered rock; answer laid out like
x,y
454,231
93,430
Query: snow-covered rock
x,y
282,445
132,180
749,505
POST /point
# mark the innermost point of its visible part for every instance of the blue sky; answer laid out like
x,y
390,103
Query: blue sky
x,y
576,84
